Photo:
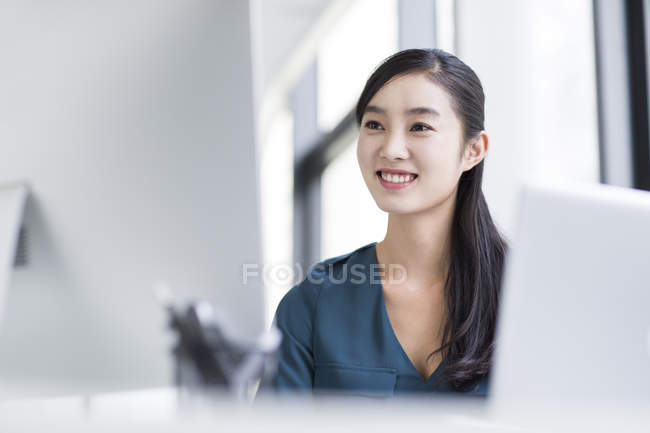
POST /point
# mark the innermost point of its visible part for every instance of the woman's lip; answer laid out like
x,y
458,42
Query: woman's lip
x,y
391,171
391,185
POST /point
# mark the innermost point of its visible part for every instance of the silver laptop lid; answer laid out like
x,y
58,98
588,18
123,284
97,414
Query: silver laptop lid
x,y
574,323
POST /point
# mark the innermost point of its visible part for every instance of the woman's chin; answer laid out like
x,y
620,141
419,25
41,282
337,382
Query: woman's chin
x,y
389,206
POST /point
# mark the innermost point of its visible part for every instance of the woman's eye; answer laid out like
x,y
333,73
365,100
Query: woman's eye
x,y
372,125
420,127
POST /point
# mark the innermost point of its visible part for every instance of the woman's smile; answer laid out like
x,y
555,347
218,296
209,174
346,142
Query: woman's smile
x,y
396,181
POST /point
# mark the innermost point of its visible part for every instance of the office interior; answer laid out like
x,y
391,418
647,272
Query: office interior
x,y
206,150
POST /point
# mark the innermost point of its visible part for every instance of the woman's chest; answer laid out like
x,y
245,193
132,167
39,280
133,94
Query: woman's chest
x,y
354,337
417,322
415,316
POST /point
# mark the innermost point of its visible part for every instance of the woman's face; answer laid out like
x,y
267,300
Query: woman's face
x,y
409,125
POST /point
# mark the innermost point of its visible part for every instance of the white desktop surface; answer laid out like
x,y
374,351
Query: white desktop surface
x,y
157,410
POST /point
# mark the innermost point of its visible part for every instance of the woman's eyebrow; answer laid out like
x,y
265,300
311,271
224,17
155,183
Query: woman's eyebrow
x,y
410,111
374,109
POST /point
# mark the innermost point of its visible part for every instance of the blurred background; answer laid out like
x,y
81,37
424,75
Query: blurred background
x,y
566,97
178,141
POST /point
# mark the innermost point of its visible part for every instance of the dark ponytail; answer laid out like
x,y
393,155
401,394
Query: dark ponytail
x,y
478,250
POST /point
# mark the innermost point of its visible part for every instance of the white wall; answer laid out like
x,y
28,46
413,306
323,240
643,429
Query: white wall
x,y
134,124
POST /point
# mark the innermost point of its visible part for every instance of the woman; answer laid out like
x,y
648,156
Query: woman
x,y
420,150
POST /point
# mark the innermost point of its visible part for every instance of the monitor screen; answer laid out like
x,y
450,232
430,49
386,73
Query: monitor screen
x,y
132,125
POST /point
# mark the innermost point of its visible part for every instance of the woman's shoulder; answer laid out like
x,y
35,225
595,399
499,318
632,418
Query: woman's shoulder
x,y
324,277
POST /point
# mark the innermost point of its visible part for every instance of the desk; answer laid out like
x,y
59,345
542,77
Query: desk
x,y
158,410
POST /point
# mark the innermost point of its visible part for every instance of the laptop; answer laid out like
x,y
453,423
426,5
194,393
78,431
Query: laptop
x,y
574,321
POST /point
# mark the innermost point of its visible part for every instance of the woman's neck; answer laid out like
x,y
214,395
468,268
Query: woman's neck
x,y
421,243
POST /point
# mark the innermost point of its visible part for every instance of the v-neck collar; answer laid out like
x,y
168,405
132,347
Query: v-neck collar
x,y
391,331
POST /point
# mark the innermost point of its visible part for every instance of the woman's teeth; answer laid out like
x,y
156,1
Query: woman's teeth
x,y
397,178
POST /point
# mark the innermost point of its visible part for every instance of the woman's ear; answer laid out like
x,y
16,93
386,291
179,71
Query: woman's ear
x,y
475,151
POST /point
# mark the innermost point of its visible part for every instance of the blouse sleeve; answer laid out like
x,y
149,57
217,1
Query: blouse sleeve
x,y
294,317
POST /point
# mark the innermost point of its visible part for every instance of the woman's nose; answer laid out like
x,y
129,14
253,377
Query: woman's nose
x,y
394,147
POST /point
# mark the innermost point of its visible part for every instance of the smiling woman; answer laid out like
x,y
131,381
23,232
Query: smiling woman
x,y
421,152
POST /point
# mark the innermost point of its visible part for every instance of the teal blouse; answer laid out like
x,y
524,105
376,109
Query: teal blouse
x,y
337,335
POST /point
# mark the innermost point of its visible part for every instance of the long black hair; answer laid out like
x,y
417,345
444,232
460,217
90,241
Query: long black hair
x,y
478,249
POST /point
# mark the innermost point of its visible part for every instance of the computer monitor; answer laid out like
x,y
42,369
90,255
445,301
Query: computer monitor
x,y
574,323
133,127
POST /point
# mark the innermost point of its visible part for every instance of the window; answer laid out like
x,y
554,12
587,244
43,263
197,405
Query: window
x,y
537,64
350,217
346,58
365,34
276,202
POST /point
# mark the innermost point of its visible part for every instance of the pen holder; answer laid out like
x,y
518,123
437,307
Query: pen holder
x,y
211,361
